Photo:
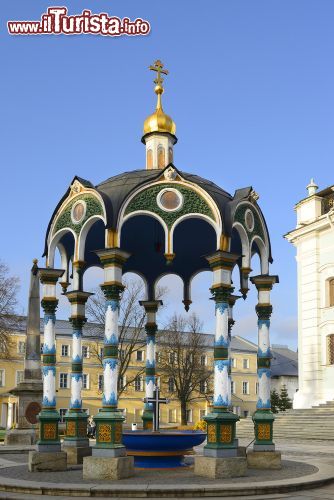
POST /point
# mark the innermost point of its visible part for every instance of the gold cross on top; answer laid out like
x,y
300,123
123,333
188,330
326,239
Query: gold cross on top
x,y
158,67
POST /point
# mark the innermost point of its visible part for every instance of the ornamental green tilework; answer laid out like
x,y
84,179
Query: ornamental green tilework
x,y
94,207
192,203
239,216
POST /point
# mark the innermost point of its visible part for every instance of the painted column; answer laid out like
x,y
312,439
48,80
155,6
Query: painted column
x,y
151,327
75,418
109,420
263,418
49,416
221,422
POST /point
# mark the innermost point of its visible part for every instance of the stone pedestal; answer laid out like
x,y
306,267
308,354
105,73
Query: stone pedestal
x,y
76,454
24,437
47,461
107,467
219,468
264,459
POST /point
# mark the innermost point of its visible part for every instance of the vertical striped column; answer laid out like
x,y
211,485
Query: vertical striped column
x,y
151,308
263,418
109,419
75,418
49,416
221,422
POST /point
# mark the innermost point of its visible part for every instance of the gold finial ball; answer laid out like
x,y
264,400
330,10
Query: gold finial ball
x,y
35,261
158,89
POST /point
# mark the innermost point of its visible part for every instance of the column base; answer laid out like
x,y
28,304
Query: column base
x,y
263,428
76,454
116,452
264,459
147,419
107,468
219,468
20,437
76,428
221,441
44,461
48,430
109,431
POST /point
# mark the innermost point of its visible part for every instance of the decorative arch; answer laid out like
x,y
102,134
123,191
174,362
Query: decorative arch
x,y
194,216
149,214
258,246
55,243
83,235
245,247
142,278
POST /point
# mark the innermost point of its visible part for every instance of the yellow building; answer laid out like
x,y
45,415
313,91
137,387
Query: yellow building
x,y
244,375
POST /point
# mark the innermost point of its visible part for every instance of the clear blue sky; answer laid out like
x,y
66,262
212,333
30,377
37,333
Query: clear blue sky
x,y
251,90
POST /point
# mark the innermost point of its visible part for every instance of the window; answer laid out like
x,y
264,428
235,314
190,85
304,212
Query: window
x,y
203,386
85,351
236,410
245,363
189,416
171,384
100,382
65,350
330,349
149,159
101,352
246,413
161,157
62,413
233,362
172,357
157,357
331,292
172,416
256,388
85,381
204,360
122,354
2,378
138,383
19,376
122,382
21,347
124,413
42,347
63,380
140,355
245,388
202,414
232,387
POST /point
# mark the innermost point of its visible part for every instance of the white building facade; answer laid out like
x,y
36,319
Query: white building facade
x,y
314,242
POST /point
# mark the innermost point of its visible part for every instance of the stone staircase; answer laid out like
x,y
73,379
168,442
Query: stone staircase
x,y
314,423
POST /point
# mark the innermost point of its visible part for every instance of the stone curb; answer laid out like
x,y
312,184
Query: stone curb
x,y
325,475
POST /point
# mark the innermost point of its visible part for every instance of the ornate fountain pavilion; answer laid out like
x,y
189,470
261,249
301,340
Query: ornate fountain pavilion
x,y
153,222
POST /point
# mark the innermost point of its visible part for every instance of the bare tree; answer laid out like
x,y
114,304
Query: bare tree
x,y
9,286
132,335
183,361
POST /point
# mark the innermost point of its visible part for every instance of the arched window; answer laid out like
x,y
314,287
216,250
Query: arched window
x,y
149,158
331,292
170,155
330,349
161,157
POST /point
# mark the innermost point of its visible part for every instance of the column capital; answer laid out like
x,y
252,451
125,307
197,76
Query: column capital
x,y
112,257
49,305
264,281
222,260
77,296
112,291
49,276
221,292
151,305
264,311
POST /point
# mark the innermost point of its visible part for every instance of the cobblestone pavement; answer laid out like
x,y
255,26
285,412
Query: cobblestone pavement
x,y
14,465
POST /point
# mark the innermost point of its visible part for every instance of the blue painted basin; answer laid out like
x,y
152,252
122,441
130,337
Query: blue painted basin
x,y
161,450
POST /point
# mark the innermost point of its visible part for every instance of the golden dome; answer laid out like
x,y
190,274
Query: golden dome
x,y
159,121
